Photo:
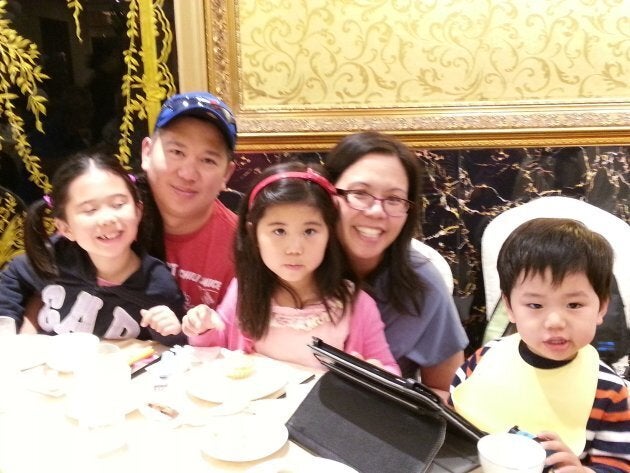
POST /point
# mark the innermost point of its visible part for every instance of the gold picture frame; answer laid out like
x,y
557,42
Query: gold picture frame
x,y
569,88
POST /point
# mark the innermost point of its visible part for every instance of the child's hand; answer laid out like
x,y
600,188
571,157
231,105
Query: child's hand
x,y
200,319
563,460
161,319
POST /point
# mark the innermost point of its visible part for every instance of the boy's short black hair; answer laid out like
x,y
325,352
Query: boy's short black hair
x,y
564,246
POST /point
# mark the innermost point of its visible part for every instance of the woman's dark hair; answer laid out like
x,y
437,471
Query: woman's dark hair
x,y
404,284
256,282
36,239
562,245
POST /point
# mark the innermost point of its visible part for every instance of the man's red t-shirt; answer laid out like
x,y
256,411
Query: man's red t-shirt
x,y
203,262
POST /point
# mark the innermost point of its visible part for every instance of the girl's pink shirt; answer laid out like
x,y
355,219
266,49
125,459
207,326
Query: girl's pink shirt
x,y
361,331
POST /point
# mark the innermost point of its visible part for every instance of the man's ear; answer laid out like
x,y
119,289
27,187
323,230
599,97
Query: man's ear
x,y
147,143
508,308
64,229
231,167
603,308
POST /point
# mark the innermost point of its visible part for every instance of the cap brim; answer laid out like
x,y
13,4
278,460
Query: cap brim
x,y
202,113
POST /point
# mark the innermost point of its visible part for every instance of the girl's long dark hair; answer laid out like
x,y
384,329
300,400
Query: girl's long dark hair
x,y
404,285
256,282
36,240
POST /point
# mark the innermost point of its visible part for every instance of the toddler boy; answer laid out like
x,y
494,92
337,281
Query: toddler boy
x,y
547,379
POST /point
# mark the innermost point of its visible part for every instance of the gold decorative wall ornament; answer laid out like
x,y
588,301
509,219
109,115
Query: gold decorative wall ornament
x,y
143,91
145,87
147,82
11,227
76,8
457,73
21,73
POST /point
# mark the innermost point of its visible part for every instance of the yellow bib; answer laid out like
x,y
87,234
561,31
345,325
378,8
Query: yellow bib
x,y
504,391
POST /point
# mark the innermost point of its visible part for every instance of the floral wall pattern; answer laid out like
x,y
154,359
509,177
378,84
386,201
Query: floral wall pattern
x,y
385,53
456,74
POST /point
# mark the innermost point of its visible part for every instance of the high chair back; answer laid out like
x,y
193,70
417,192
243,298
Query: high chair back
x,y
435,257
615,230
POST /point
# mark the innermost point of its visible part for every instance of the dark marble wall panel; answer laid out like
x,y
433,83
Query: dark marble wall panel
x,y
465,188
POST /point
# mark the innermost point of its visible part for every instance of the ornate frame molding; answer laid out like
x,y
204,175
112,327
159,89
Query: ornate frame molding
x,y
300,128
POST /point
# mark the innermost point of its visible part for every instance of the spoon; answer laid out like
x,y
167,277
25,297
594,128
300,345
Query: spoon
x,y
197,417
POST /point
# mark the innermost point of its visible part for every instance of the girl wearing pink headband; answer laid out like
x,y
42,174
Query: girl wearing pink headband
x,y
290,283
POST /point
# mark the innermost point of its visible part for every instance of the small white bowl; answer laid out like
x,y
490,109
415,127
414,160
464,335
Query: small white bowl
x,y
69,351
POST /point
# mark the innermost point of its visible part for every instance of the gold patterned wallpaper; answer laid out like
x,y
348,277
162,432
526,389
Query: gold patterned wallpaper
x,y
435,73
398,53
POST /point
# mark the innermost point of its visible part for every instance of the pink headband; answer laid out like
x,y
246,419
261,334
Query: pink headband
x,y
309,175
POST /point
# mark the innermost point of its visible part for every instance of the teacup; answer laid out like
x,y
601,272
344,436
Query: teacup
x,y
69,351
7,326
100,398
510,453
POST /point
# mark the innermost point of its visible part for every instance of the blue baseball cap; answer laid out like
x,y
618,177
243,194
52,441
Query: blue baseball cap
x,y
202,105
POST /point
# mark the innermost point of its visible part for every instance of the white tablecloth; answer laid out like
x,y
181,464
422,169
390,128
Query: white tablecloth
x,y
38,435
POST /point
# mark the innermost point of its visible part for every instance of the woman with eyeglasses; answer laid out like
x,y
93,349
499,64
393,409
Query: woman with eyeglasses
x,y
378,191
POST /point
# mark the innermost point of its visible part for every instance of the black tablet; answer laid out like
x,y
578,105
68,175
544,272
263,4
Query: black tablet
x,y
407,391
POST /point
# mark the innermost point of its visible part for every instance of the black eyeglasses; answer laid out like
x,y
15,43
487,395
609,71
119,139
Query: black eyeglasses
x,y
361,200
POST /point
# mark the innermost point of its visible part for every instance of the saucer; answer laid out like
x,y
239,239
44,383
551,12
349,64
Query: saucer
x,y
316,465
243,438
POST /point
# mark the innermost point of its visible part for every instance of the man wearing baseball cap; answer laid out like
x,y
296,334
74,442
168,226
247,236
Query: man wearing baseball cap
x,y
188,162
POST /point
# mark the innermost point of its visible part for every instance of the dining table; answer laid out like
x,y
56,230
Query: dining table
x,y
40,432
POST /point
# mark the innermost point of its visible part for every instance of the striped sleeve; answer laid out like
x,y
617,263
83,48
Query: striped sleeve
x,y
608,428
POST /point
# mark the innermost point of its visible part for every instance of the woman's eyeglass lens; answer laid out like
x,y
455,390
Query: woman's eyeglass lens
x,y
361,200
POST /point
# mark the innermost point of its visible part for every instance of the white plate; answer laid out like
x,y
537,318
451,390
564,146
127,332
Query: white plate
x,y
210,382
243,438
316,465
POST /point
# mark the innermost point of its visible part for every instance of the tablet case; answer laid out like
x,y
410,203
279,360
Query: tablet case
x,y
377,422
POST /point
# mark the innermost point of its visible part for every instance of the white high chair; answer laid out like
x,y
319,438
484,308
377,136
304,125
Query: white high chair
x,y
615,230
438,261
